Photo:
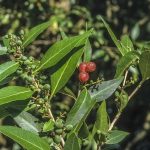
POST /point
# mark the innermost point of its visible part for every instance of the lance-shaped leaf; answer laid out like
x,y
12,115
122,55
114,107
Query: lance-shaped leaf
x,y
14,93
28,122
144,65
64,70
116,136
113,37
72,143
13,108
37,30
26,139
101,123
61,48
126,44
80,108
125,62
105,89
7,69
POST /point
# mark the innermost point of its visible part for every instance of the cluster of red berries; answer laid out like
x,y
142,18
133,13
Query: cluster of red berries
x,y
85,68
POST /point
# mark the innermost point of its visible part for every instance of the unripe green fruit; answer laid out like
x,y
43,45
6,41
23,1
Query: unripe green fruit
x,y
24,58
24,76
43,77
59,131
57,139
59,124
50,140
19,42
46,98
69,127
33,66
85,142
46,87
98,132
22,32
31,58
27,62
19,72
40,100
30,79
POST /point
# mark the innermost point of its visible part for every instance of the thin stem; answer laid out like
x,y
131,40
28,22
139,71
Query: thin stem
x,y
119,113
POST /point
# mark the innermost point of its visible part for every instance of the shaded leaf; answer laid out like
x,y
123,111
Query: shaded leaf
x,y
60,49
26,139
14,93
116,136
79,109
104,90
144,65
13,108
72,143
7,69
125,62
67,91
84,131
28,122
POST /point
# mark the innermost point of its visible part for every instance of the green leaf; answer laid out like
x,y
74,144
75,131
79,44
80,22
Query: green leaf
x,y
26,139
28,122
13,108
116,136
101,123
60,49
84,131
126,44
87,51
64,70
104,90
144,65
72,143
125,62
48,126
113,37
6,42
68,92
14,93
3,50
7,69
79,109
37,30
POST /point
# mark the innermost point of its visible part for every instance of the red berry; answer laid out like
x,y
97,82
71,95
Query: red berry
x,y
91,66
82,67
83,77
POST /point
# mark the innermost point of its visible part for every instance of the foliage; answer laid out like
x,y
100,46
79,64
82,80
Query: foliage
x,y
30,87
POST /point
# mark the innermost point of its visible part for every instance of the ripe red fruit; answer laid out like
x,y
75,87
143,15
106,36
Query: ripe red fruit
x,y
82,67
91,66
83,77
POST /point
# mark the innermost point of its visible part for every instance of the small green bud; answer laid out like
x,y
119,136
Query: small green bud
x,y
85,142
59,123
22,32
27,62
19,72
43,77
31,58
46,86
59,131
24,58
57,139
40,100
98,132
69,127
19,42
30,79
33,66
46,98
